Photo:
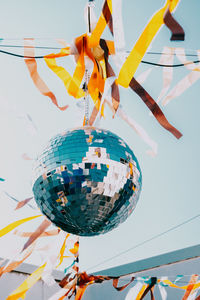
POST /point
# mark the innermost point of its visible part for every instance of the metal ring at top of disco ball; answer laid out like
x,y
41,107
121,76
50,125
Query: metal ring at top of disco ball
x,y
87,181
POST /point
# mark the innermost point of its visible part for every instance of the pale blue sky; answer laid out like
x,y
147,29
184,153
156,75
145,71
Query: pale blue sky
x,y
170,191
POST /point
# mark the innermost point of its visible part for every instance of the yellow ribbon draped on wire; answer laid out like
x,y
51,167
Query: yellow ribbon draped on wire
x,y
20,292
63,52
133,60
71,83
15,224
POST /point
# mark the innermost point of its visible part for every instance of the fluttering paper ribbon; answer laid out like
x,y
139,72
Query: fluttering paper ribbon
x,y
182,86
37,80
118,34
139,130
137,53
18,260
97,51
121,288
15,224
52,257
23,202
133,292
110,74
163,292
143,76
180,54
178,33
52,232
187,81
20,292
62,250
149,288
42,227
190,286
154,108
167,58
71,83
101,24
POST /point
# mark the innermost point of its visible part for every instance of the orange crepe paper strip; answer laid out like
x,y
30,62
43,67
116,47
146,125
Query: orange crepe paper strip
x,y
15,224
96,82
52,232
84,280
46,223
37,80
81,290
137,53
111,47
27,284
23,202
14,264
190,286
75,249
93,115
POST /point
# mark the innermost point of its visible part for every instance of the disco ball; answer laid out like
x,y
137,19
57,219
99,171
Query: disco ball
x,y
87,181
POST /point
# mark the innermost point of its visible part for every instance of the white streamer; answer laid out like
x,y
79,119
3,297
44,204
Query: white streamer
x,y
133,292
187,81
143,76
166,58
118,32
140,131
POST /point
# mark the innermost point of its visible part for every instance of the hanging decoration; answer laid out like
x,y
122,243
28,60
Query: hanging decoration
x,y
87,181
92,54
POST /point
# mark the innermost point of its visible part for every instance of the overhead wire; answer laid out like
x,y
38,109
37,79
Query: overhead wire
x,y
145,242
143,61
59,48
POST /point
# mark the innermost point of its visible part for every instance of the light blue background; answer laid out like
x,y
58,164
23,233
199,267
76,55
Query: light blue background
x,y
170,192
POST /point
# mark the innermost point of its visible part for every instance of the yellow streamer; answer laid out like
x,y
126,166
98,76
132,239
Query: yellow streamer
x,y
63,52
62,250
169,283
15,224
133,60
20,292
141,292
99,29
66,78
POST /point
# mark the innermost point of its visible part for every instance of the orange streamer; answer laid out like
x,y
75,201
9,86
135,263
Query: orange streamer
x,y
37,80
